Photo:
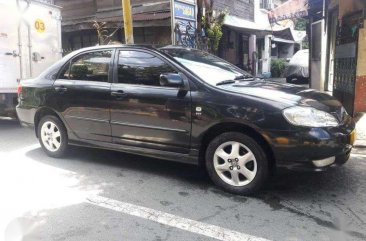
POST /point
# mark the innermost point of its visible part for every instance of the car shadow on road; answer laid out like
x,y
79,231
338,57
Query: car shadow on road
x,y
335,181
77,157
323,198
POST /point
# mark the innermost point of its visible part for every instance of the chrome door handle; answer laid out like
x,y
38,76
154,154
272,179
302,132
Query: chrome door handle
x,y
60,89
118,94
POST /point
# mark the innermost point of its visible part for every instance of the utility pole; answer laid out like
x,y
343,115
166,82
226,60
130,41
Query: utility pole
x,y
127,20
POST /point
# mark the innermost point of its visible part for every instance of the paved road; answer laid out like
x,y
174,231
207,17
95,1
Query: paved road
x,y
104,195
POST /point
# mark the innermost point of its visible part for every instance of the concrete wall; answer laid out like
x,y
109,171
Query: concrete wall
x,y
361,62
360,95
239,8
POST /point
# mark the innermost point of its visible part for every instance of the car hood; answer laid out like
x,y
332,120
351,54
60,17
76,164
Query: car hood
x,y
285,95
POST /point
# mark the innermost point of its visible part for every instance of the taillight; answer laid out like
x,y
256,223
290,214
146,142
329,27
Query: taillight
x,y
20,89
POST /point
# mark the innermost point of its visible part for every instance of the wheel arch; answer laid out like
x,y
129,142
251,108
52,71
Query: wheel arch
x,y
221,128
41,113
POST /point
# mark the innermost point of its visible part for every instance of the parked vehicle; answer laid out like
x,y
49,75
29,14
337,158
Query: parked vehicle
x,y
188,106
30,41
298,68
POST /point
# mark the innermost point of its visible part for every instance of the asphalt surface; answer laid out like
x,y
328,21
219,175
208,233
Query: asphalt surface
x,y
46,199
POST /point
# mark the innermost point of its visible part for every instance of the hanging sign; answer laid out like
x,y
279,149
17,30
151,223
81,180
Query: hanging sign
x,y
289,10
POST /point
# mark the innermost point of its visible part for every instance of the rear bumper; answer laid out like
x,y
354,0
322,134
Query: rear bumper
x,y
314,149
26,116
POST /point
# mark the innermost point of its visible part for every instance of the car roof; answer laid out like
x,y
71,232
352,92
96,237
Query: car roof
x,y
141,46
98,47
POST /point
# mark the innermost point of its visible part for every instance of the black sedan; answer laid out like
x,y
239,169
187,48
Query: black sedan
x,y
188,106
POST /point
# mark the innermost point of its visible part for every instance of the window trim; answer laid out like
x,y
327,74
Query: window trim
x,y
115,70
110,69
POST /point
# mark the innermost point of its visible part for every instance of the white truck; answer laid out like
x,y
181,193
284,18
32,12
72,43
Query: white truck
x,y
30,41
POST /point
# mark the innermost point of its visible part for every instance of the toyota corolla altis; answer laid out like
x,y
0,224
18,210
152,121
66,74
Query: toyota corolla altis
x,y
188,106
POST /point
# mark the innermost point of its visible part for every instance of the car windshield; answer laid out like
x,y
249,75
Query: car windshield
x,y
208,67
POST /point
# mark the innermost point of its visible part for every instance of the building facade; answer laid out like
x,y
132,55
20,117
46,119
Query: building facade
x,y
247,34
152,22
338,50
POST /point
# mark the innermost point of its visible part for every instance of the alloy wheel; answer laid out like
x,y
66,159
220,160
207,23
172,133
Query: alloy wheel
x,y
235,163
51,136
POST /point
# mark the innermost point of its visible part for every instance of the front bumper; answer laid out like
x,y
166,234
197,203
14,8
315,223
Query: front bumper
x,y
314,149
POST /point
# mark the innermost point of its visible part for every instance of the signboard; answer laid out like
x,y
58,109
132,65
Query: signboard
x,y
184,21
184,11
289,10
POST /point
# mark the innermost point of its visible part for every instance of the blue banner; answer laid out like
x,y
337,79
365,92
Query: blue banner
x,y
184,10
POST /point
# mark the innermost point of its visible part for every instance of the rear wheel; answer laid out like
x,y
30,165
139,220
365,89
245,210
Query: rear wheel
x,y
52,136
236,163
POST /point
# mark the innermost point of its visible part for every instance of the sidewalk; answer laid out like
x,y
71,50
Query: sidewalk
x,y
361,131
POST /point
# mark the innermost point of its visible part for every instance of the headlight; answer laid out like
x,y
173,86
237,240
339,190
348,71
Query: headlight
x,y
310,117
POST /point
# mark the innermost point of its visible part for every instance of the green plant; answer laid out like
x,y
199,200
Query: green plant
x,y
212,24
278,67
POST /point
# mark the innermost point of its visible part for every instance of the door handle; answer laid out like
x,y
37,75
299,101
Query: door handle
x,y
60,89
118,94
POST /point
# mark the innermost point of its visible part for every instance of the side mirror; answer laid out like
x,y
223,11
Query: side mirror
x,y
171,80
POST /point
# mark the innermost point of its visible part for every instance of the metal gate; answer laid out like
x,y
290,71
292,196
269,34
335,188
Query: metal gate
x,y
345,64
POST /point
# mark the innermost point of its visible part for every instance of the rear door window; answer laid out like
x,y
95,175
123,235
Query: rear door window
x,y
92,66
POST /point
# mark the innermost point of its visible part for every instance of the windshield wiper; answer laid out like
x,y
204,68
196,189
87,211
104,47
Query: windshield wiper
x,y
239,77
225,82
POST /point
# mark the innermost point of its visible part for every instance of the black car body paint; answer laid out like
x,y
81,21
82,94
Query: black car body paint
x,y
173,123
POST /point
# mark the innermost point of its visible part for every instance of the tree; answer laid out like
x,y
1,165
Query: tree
x,y
300,24
212,25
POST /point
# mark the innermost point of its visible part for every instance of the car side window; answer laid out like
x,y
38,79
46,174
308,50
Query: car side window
x,y
93,66
141,68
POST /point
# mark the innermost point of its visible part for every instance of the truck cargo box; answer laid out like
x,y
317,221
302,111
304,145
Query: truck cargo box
x,y
30,41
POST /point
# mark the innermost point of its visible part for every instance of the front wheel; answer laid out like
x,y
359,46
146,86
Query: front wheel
x,y
52,136
236,163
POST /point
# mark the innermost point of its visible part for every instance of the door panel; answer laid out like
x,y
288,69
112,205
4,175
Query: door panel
x,y
151,117
148,115
83,96
85,107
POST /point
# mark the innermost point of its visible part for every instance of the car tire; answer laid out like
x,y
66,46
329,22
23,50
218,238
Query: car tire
x,y
52,136
240,169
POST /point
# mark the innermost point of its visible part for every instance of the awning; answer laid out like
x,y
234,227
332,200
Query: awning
x,y
288,35
281,40
245,26
151,16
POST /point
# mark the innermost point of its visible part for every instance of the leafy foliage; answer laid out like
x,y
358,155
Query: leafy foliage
x,y
300,24
210,23
278,67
